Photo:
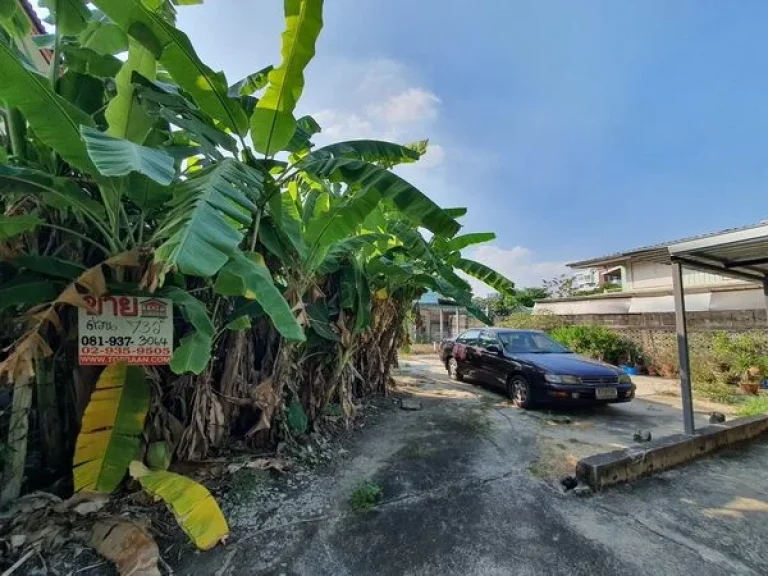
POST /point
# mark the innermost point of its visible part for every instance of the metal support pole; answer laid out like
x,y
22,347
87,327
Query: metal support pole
x,y
442,332
765,294
682,348
458,329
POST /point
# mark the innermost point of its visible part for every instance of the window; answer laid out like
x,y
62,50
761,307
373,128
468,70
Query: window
x,y
469,337
488,339
530,343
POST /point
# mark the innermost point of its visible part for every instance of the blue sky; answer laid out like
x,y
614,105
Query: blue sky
x,y
571,129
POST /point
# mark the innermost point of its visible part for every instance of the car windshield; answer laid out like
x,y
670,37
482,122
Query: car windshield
x,y
530,343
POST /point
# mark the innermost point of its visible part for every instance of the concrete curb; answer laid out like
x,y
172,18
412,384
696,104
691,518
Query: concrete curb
x,y
603,470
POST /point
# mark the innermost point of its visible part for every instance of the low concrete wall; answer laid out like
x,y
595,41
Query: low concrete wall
x,y
607,469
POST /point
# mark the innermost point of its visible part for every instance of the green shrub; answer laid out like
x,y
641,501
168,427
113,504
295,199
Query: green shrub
x,y
597,342
716,390
365,497
754,406
738,354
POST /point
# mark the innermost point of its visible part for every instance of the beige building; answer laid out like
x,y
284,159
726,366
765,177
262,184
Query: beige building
x,y
646,285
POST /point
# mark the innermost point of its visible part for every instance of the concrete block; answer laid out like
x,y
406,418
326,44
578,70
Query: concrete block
x,y
602,470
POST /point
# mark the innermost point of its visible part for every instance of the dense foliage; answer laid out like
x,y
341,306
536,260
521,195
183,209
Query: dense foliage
x,y
597,342
291,267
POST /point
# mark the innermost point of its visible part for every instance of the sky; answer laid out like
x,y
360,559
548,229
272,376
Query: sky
x,y
570,129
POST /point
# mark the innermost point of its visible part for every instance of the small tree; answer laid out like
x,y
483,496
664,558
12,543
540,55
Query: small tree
x,y
559,286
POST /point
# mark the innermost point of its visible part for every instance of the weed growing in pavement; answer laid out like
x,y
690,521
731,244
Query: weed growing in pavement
x,y
754,406
416,451
717,391
478,423
245,482
365,497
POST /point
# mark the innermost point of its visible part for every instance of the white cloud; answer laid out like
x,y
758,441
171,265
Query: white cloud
x,y
340,126
380,99
413,105
519,264
434,156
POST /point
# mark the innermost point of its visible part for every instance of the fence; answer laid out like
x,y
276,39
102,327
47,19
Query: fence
x,y
655,333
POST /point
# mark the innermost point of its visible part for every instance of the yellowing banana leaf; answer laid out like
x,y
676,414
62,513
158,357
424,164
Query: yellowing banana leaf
x,y
195,509
109,437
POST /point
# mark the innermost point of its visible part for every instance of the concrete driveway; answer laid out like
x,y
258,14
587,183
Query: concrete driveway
x,y
470,486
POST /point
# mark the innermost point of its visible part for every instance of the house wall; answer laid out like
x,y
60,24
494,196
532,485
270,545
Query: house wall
x,y
727,297
428,330
654,276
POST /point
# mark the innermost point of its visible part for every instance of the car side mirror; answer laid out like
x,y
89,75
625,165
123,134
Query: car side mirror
x,y
493,349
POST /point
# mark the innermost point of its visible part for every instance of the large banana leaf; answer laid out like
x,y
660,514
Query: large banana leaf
x,y
247,276
194,350
55,121
373,151
306,127
11,226
251,83
13,19
208,216
272,122
88,61
164,102
412,239
25,290
49,266
195,509
460,242
192,309
175,52
70,16
104,37
58,192
455,212
485,274
413,203
112,423
340,222
284,209
125,116
84,91
352,245
192,354
118,157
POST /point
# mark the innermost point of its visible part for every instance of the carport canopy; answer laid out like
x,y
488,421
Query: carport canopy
x,y
740,254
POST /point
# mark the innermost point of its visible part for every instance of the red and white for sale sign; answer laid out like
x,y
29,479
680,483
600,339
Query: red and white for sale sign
x,y
130,329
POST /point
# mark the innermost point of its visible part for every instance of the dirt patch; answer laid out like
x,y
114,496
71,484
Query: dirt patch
x,y
557,457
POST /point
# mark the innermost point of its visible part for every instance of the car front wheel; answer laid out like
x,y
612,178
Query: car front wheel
x,y
519,391
453,370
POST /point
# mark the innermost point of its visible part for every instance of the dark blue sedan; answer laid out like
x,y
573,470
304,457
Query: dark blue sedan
x,y
533,369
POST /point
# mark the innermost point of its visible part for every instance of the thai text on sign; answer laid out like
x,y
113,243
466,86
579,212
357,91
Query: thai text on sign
x,y
130,329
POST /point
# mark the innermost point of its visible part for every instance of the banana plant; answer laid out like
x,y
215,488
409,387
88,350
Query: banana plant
x,y
130,144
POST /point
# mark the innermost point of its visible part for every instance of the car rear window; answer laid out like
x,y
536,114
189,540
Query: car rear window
x,y
469,337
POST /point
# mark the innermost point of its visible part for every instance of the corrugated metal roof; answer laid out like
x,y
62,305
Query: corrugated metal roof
x,y
654,251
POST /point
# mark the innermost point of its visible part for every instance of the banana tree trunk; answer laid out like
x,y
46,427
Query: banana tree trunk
x,y
51,430
13,474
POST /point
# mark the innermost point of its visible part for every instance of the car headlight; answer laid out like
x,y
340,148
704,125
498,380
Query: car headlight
x,y
562,379
625,379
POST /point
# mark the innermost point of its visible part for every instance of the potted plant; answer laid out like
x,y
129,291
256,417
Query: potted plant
x,y
751,379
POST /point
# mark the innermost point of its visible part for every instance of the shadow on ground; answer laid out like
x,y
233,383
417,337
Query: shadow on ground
x,y
470,486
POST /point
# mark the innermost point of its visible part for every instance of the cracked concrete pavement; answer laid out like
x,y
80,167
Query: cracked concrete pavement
x,y
469,486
